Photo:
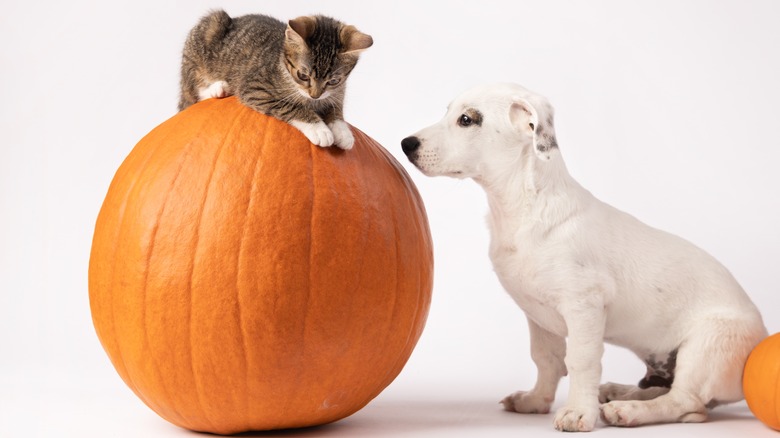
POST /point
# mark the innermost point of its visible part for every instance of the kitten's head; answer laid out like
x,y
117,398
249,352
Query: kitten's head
x,y
320,52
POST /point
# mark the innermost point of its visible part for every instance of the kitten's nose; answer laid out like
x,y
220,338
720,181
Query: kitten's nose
x,y
410,144
316,90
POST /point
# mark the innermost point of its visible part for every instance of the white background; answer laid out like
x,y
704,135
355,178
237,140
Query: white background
x,y
666,109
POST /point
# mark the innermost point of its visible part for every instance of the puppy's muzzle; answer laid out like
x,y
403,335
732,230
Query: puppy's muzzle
x,y
410,146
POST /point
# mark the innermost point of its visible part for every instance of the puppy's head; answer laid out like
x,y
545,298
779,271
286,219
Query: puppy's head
x,y
487,130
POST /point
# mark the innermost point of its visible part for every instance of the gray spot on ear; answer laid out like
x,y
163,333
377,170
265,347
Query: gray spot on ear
x,y
549,133
544,140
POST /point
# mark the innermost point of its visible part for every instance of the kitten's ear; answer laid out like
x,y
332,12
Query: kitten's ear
x,y
354,41
300,29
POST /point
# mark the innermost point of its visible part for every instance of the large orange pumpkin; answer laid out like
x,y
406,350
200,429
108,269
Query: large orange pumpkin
x,y
242,278
761,381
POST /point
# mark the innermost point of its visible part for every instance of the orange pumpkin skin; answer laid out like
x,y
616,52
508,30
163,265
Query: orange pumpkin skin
x,y
242,278
761,381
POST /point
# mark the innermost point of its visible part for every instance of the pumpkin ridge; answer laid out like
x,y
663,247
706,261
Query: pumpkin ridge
x,y
199,223
184,158
241,322
389,374
423,300
121,224
391,371
307,297
151,359
146,343
421,310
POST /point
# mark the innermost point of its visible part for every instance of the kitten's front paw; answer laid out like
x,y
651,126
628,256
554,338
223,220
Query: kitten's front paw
x,y
342,135
317,133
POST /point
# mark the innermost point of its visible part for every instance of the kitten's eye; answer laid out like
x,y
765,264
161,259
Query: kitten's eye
x,y
465,120
303,77
333,82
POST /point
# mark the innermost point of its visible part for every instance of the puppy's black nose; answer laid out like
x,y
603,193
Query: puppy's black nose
x,y
410,144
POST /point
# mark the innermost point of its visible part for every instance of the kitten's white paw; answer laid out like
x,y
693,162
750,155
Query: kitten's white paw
x,y
217,89
342,135
317,133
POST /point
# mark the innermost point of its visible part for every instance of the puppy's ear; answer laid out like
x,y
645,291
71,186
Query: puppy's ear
x,y
526,118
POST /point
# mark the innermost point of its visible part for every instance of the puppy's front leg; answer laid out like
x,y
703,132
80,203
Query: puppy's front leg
x,y
585,322
547,351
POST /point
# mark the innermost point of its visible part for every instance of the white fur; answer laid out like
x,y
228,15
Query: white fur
x,y
317,133
217,89
336,133
342,134
583,270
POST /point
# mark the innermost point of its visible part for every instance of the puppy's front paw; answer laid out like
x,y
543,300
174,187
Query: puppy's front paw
x,y
342,135
527,403
576,418
317,133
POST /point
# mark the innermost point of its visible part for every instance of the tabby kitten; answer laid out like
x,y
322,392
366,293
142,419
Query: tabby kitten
x,y
294,72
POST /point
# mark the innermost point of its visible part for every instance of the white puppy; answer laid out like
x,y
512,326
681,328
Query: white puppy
x,y
583,270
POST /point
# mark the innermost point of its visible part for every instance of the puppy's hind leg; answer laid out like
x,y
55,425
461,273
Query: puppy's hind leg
x,y
681,403
657,382
612,391
547,351
708,373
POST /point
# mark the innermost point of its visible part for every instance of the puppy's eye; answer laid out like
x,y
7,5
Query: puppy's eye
x,y
465,120
303,76
333,82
